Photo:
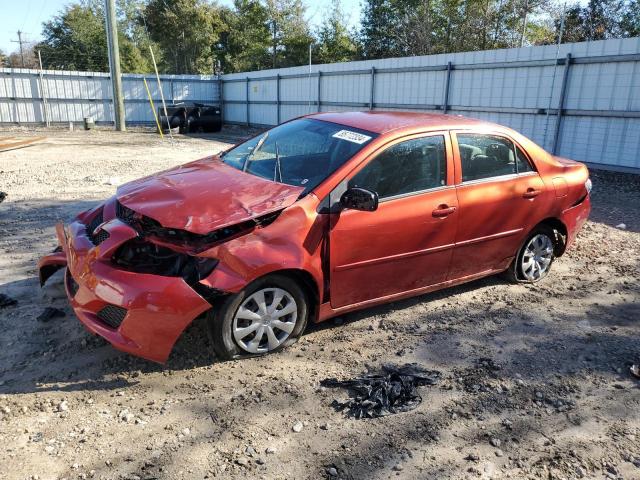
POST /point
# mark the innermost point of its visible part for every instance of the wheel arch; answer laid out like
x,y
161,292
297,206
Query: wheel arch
x,y
561,233
308,284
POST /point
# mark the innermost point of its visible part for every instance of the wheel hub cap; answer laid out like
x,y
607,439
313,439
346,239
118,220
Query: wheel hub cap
x,y
537,257
265,320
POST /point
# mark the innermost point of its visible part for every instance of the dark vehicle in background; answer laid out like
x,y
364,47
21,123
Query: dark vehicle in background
x,y
191,117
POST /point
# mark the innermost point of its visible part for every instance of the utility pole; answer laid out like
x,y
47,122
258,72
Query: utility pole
x,y
114,64
524,23
20,41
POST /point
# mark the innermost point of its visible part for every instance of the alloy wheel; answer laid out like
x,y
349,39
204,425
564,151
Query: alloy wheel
x,y
537,257
264,320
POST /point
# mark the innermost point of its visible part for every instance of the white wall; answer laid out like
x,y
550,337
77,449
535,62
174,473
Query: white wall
x,y
510,94
71,96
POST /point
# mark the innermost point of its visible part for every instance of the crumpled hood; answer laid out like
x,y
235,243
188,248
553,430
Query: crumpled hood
x,y
205,195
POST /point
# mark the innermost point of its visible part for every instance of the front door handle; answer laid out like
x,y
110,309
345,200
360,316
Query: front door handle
x,y
443,211
531,193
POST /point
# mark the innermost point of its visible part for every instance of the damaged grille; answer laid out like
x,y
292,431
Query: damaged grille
x,y
101,235
112,315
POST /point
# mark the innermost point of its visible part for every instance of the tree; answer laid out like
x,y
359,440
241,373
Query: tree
x,y
379,29
334,43
75,39
3,59
630,21
290,33
598,20
424,27
27,59
244,42
186,32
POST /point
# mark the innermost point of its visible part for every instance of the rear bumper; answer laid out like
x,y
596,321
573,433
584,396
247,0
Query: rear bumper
x,y
158,308
574,218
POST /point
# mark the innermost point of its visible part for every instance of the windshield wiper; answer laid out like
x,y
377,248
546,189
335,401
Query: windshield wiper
x,y
254,151
276,166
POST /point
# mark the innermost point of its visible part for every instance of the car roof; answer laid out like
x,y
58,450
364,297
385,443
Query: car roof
x,y
384,121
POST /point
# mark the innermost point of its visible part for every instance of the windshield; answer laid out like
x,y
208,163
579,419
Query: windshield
x,y
302,153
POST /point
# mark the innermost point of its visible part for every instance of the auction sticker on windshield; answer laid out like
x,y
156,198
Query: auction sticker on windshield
x,y
350,136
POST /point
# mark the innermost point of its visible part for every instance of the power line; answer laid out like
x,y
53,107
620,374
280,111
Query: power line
x,y
27,14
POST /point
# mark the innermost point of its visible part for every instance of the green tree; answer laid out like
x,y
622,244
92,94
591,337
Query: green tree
x,y
186,32
424,27
380,25
289,32
597,20
630,22
245,40
75,39
334,43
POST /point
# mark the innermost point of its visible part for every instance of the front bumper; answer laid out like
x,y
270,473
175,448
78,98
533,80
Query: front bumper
x,y
158,308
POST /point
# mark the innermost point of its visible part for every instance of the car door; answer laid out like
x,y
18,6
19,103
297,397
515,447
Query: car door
x,y
407,242
498,192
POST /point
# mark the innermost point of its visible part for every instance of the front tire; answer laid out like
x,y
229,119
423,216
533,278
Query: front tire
x,y
266,316
535,257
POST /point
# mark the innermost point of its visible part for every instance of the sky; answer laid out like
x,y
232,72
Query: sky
x,y
28,15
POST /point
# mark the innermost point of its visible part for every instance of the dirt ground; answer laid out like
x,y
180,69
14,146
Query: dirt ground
x,y
535,379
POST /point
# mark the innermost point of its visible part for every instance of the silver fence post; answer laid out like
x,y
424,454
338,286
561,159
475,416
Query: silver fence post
x,y
278,97
445,106
563,92
373,87
319,90
248,106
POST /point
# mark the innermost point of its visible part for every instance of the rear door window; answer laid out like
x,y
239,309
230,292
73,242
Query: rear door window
x,y
522,162
485,156
404,168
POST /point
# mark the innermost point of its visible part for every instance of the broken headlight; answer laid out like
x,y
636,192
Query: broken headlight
x,y
141,256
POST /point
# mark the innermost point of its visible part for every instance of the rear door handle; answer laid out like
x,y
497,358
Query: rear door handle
x,y
531,193
443,211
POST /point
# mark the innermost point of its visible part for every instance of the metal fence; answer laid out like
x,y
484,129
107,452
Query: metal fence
x,y
27,96
581,100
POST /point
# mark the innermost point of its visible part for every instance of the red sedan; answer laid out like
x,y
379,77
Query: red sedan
x,y
319,216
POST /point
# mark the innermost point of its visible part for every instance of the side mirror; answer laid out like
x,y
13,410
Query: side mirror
x,y
359,199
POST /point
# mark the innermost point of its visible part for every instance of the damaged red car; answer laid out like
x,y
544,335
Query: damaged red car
x,y
316,217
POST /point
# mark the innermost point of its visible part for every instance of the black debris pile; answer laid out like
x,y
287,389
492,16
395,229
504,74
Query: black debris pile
x,y
377,395
50,313
3,195
7,301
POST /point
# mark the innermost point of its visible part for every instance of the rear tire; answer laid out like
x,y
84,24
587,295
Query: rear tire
x,y
273,308
535,257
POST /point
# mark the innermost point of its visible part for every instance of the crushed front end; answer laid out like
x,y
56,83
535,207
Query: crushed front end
x,y
131,281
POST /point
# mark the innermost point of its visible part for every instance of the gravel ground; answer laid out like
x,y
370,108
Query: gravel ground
x,y
535,379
